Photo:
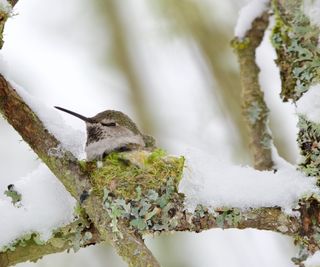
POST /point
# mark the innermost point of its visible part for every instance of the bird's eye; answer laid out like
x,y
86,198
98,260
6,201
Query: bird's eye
x,y
109,124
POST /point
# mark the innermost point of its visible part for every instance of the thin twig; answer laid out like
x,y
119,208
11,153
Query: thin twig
x,y
254,107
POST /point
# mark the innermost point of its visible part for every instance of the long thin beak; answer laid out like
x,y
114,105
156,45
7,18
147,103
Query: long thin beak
x,y
75,114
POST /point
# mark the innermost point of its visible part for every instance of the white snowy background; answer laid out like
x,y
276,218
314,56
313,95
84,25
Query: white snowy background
x,y
53,50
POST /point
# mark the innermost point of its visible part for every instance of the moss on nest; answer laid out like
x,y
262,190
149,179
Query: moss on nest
x,y
122,173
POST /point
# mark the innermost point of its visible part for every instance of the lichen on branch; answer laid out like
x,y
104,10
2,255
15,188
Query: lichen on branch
x,y
254,107
295,40
132,194
30,247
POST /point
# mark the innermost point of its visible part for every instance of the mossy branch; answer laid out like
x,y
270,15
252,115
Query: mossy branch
x,y
254,107
295,40
68,170
79,233
163,206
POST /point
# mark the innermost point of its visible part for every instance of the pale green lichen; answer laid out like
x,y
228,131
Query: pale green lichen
x,y
308,236
229,216
254,112
74,233
308,140
200,211
23,241
141,211
14,195
266,141
296,43
303,254
137,187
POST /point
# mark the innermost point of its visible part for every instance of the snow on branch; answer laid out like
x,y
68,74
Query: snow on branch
x,y
254,9
295,37
148,181
214,183
27,213
69,172
142,192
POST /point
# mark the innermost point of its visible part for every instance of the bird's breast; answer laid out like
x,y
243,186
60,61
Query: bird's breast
x,y
109,143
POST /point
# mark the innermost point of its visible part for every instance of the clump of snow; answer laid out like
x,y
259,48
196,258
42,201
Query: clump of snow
x,y
309,104
5,6
215,183
71,139
311,8
247,15
45,206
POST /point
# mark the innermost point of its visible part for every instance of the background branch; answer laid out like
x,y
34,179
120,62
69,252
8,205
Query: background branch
x,y
254,107
192,18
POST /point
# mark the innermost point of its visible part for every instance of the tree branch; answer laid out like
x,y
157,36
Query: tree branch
x,y
129,241
272,219
254,107
295,40
67,169
74,235
113,195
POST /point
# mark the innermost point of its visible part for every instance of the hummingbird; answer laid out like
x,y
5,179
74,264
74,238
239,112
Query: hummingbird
x,y
109,131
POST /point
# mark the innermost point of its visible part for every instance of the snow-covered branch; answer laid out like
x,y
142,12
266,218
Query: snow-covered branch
x,y
295,38
137,192
69,172
145,192
30,247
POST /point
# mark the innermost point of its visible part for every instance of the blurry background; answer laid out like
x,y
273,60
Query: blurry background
x,y
169,66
